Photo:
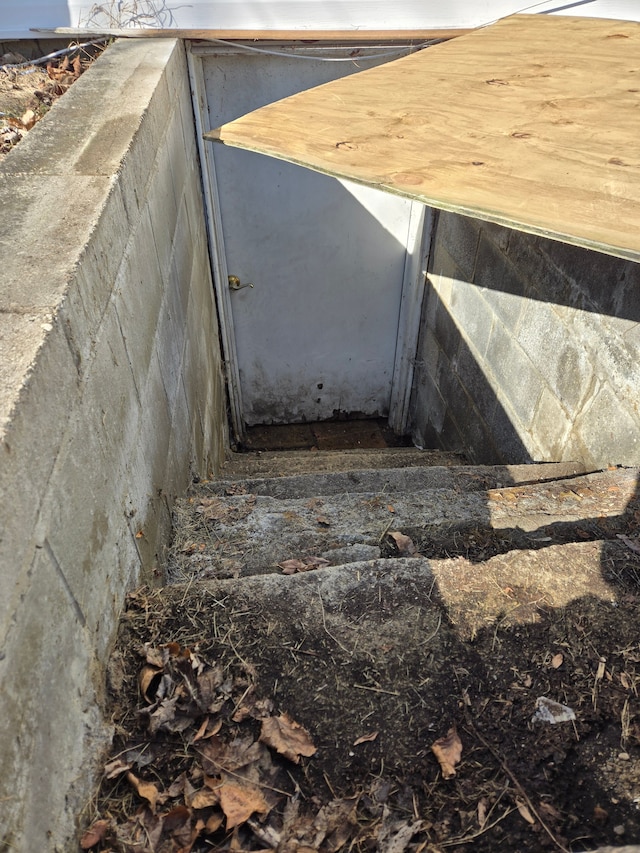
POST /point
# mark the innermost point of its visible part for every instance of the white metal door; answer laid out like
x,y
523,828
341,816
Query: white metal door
x,y
317,333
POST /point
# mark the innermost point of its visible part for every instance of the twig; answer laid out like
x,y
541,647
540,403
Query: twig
x,y
519,788
630,543
432,635
472,837
327,631
376,689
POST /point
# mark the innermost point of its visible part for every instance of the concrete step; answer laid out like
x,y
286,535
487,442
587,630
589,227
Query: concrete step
x,y
458,595
460,478
292,462
239,535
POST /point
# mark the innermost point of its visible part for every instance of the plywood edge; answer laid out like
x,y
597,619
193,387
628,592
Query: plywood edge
x,y
474,212
260,35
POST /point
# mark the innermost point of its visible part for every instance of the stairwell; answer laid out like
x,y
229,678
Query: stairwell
x,y
387,600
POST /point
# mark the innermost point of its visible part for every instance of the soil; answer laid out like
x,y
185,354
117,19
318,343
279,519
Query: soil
x,y
28,93
375,681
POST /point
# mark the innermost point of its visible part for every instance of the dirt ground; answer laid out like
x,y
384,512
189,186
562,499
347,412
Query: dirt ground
x,y
27,93
300,719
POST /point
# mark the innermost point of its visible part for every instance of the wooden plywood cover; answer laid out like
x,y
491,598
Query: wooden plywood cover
x,y
533,122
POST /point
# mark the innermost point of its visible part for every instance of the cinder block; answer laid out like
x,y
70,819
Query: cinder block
x,y
471,372
459,236
48,654
163,209
508,438
28,451
110,402
473,315
609,430
505,285
550,429
180,453
499,235
171,342
28,231
559,355
517,381
139,294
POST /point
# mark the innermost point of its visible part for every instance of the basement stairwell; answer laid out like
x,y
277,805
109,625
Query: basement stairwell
x,y
385,605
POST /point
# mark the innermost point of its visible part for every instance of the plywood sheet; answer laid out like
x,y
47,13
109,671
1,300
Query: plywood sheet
x,y
533,122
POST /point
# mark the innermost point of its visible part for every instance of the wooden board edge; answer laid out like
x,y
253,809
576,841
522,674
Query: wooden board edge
x,y
306,36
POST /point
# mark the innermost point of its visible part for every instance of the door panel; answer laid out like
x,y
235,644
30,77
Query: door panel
x,y
316,334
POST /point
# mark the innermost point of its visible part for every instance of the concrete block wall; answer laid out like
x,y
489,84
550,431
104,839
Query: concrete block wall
x,y
111,397
530,349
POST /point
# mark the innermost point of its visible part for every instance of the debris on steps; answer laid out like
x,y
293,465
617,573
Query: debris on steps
x,y
384,659
289,462
224,530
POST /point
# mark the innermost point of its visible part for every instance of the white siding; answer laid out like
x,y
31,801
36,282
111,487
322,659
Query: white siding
x,y
16,19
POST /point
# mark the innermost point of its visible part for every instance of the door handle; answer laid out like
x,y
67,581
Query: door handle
x,y
236,284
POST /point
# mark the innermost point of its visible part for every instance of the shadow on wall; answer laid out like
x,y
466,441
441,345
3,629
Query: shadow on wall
x,y
460,409
539,341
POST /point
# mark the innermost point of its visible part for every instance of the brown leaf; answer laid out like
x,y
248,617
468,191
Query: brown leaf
x,y
239,752
116,768
290,567
154,656
334,824
205,798
240,801
365,738
404,543
207,729
448,751
287,737
94,834
147,678
557,660
146,790
482,812
77,66
28,119
214,822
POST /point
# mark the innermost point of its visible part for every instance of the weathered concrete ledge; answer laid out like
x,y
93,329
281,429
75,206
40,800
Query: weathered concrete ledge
x,y
111,394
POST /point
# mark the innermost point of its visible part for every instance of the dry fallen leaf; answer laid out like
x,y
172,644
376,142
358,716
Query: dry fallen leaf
x,y
146,790
207,729
204,799
365,738
240,801
448,751
28,119
287,737
148,675
404,544
94,834
290,567
116,768
557,660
